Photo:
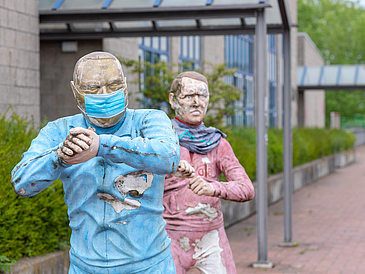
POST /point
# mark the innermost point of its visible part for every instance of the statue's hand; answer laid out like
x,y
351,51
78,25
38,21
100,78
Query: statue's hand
x,y
80,146
184,170
201,187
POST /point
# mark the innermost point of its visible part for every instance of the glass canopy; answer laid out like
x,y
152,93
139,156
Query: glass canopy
x,y
95,19
331,77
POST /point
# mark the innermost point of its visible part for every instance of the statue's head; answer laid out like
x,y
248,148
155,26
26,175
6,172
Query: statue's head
x,y
100,89
189,97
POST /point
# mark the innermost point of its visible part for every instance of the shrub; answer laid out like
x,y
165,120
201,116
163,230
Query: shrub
x,y
308,144
29,226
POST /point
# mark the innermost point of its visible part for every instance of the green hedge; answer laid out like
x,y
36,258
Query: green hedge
x,y
308,144
28,226
39,225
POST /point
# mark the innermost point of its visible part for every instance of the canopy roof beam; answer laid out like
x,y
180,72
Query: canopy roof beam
x,y
106,15
151,31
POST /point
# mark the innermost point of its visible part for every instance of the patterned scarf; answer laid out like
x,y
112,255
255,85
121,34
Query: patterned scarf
x,y
198,139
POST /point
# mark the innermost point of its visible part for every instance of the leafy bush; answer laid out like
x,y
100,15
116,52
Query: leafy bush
x,y
308,144
28,226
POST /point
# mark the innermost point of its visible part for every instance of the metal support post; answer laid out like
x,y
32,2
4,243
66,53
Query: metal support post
x,y
261,141
288,144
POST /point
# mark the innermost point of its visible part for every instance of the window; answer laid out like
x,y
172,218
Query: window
x,y
272,72
153,50
190,52
239,53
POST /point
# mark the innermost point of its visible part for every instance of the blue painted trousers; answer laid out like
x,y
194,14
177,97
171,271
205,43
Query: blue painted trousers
x,y
166,266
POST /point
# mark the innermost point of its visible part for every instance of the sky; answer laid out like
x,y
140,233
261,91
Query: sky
x,y
362,2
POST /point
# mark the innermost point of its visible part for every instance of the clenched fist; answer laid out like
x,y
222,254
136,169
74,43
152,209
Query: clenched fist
x,y
80,146
201,187
184,170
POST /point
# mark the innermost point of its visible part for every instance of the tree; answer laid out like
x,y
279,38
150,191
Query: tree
x,y
155,81
336,27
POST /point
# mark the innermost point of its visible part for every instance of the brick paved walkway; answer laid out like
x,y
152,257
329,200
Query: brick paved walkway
x,y
328,222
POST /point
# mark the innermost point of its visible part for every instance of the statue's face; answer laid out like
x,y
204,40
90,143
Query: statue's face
x,y
191,103
98,73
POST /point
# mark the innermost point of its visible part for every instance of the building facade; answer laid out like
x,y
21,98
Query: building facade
x,y
36,76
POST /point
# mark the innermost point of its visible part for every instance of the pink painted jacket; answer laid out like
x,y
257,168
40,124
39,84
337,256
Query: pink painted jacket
x,y
187,211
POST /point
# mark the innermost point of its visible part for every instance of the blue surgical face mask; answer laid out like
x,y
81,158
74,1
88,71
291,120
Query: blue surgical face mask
x,y
105,105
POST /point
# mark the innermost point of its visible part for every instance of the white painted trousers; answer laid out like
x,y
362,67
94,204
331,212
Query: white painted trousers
x,y
208,251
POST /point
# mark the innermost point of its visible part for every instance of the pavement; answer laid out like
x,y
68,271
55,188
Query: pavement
x,y
328,225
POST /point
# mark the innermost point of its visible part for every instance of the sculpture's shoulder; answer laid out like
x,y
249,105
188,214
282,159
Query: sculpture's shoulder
x,y
140,115
64,124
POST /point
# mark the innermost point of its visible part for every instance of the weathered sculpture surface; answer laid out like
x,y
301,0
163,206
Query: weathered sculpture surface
x,y
112,161
192,206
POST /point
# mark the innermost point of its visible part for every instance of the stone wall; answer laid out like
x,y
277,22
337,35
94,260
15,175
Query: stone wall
x,y
360,135
56,69
19,62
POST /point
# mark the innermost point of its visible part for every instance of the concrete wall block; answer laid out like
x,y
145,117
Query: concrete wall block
x,y
52,263
2,36
5,75
33,42
20,78
276,185
14,19
19,40
32,7
234,212
5,97
344,158
3,17
24,60
33,27
10,38
28,112
16,57
297,180
9,4
4,53
24,22
30,60
21,5
213,51
31,78
28,96
175,48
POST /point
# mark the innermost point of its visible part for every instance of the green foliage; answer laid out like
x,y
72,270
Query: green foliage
x,y
350,104
29,226
308,144
157,79
221,95
155,87
5,264
336,27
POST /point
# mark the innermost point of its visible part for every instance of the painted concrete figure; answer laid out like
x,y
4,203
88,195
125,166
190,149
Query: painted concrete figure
x,y
112,161
192,206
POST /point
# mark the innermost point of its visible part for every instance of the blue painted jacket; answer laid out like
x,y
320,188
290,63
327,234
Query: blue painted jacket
x,y
115,199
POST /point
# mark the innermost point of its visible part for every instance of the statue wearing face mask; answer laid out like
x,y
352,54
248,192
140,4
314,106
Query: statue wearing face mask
x,y
112,161
192,205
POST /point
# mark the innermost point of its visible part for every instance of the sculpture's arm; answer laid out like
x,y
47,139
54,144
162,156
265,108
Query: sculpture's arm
x,y
156,149
238,187
40,165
